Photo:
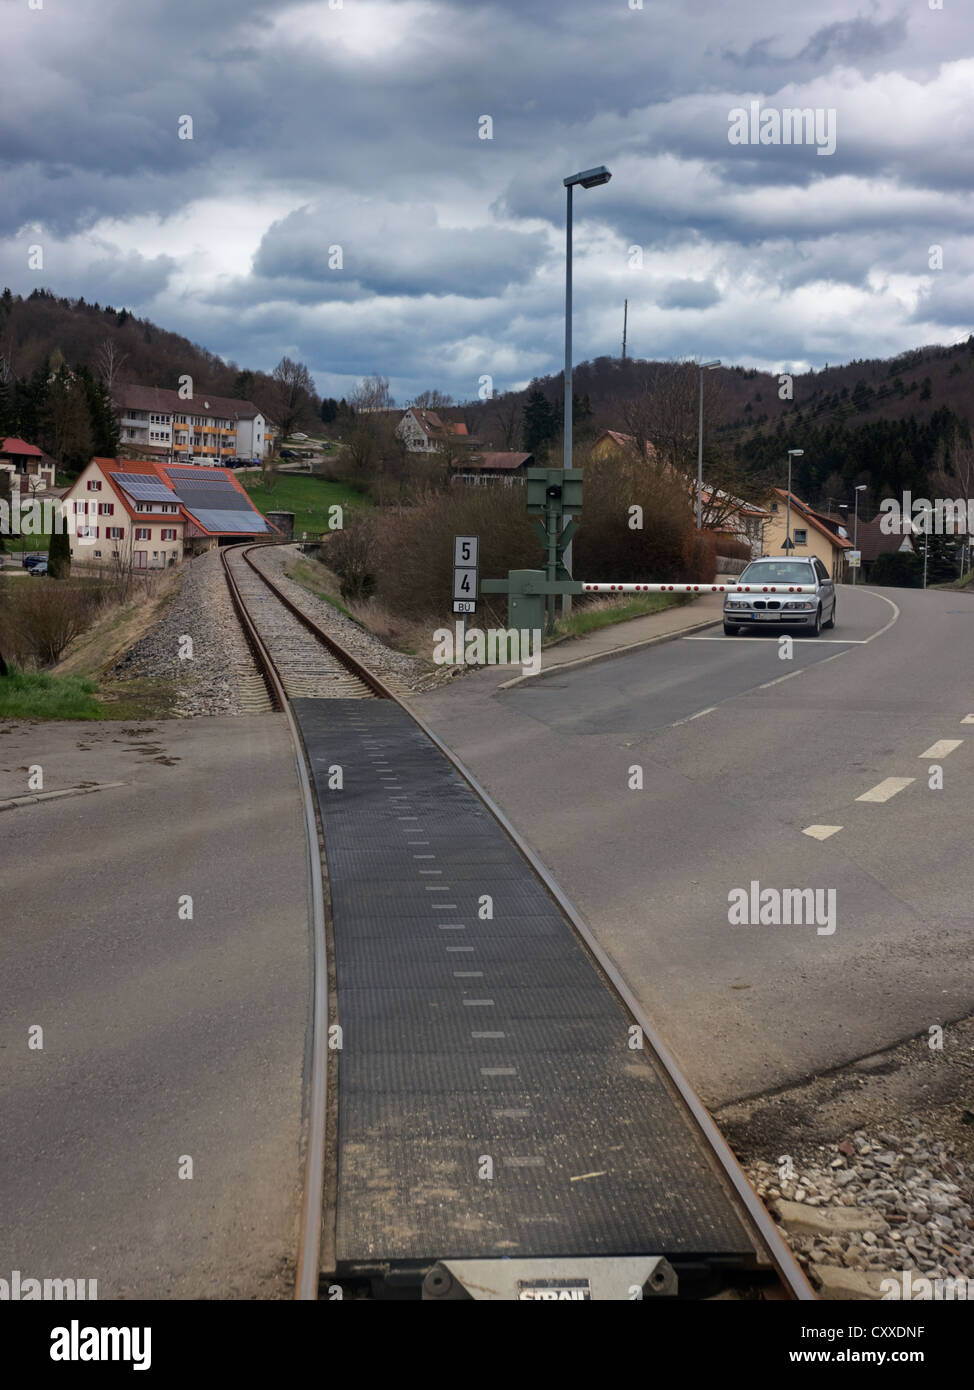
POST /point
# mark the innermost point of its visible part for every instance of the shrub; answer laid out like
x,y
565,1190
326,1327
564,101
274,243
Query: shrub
x,y
351,553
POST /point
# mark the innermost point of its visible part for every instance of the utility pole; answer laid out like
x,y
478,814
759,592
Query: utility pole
x,y
625,322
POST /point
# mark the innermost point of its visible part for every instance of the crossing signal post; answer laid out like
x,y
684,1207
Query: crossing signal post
x,y
551,492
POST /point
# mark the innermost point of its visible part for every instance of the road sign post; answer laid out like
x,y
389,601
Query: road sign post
x,y
466,557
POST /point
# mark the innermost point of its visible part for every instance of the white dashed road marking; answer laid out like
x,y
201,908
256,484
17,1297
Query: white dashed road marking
x,y
885,789
821,832
942,747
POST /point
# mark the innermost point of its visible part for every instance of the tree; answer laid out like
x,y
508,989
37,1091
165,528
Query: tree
x,y
59,553
540,423
432,400
65,422
329,410
292,394
108,363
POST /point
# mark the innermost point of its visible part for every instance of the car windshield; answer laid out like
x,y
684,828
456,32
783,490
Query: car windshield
x,y
780,572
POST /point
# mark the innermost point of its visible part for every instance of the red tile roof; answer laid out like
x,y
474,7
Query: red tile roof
x,y
816,519
20,448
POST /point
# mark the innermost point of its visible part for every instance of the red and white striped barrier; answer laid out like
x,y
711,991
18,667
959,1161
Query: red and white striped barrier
x,y
697,588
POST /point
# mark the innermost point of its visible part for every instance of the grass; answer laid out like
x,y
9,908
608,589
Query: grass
x,y
37,695
308,497
610,611
317,580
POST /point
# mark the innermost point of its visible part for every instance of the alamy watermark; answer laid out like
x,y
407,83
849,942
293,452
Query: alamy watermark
x,y
944,516
776,907
497,646
21,1288
792,125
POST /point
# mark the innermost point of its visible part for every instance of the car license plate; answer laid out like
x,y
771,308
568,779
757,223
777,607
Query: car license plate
x,y
768,617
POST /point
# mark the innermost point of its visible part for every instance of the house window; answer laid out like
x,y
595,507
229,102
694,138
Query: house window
x,y
143,533
168,534
97,554
801,536
774,506
116,533
106,508
94,485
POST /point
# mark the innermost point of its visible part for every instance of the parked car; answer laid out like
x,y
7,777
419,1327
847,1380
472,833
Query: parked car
x,y
32,558
288,454
811,611
39,568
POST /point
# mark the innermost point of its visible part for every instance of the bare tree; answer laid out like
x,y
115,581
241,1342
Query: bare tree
x,y
292,396
432,400
109,361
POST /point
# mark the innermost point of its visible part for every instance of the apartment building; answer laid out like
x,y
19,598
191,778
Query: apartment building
x,y
206,428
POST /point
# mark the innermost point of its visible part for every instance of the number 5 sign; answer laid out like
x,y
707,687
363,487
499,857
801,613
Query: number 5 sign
x,y
465,553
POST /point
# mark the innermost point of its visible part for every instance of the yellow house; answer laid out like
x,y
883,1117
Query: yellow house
x,y
812,533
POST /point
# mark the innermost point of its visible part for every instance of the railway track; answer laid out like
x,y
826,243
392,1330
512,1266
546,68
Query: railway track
x,y
679,1171
308,663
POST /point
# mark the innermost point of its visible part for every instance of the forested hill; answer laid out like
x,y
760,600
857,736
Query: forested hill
x,y
41,326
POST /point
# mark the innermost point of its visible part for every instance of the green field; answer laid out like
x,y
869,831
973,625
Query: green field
x,y
309,498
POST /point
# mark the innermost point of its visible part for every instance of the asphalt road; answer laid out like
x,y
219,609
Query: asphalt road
x,y
742,752
163,1037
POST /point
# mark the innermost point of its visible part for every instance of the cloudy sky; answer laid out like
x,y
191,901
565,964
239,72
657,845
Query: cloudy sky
x,y
358,124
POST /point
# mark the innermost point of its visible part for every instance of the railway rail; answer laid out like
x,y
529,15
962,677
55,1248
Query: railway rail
x,y
528,1052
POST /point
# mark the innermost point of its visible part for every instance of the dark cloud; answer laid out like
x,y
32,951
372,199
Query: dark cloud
x,y
358,126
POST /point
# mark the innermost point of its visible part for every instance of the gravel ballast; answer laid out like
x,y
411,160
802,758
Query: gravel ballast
x,y
218,675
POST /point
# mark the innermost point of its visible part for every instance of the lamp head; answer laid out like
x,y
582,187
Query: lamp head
x,y
589,178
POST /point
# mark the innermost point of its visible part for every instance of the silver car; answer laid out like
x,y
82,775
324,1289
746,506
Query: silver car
x,y
769,603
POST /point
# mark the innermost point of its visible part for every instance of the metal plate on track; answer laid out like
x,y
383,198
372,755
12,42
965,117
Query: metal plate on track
x,y
490,1103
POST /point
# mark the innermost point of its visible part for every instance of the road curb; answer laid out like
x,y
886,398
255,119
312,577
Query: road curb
x,y
612,652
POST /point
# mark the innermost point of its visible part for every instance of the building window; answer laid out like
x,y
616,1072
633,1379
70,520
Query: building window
x,y
774,506
94,485
106,508
143,533
116,533
801,537
97,554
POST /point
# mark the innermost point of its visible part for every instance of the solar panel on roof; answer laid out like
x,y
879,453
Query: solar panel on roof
x,y
245,523
143,488
210,480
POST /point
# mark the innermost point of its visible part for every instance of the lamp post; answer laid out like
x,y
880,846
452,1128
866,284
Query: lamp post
x,y
855,528
792,453
588,178
704,367
926,513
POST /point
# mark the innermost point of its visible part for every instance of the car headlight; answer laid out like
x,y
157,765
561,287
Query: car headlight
x,y
736,603
800,603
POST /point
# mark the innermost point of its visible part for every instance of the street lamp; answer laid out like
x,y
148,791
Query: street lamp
x,y
704,367
792,453
855,529
926,513
588,178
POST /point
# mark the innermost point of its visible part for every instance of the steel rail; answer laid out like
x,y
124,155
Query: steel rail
x,y
782,1260
309,1242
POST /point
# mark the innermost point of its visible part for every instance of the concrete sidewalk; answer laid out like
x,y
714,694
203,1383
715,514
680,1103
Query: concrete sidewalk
x,y
621,638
